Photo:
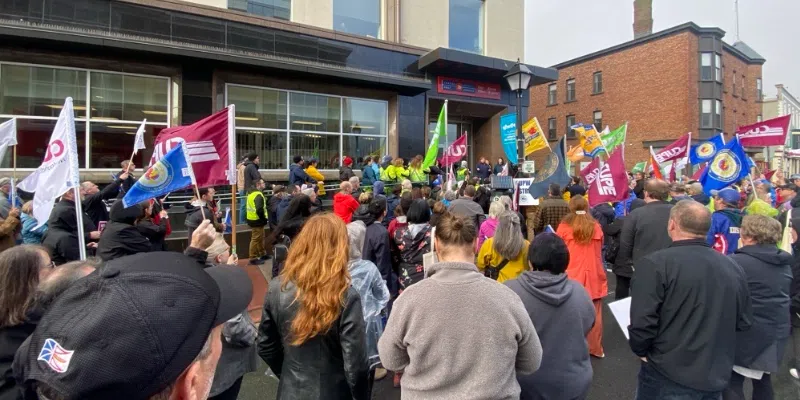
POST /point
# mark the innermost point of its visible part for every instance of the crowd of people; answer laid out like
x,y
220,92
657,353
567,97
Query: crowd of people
x,y
451,291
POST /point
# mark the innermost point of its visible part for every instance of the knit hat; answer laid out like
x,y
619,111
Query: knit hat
x,y
348,161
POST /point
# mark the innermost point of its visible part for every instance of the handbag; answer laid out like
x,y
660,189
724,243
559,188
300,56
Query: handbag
x,y
491,271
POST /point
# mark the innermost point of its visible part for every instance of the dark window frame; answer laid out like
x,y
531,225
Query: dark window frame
x,y
570,132
552,128
574,97
598,123
552,95
710,114
597,82
707,71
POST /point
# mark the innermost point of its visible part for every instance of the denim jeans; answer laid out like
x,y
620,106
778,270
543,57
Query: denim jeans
x,y
242,198
654,386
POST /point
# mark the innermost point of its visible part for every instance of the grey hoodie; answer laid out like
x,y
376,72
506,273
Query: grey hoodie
x,y
563,314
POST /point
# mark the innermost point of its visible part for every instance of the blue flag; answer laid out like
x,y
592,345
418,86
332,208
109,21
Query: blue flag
x,y
726,168
172,172
508,136
706,151
554,170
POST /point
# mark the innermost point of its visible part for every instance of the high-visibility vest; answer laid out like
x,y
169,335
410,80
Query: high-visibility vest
x,y
382,173
252,215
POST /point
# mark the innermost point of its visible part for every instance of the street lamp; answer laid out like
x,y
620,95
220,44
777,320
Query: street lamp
x,y
518,78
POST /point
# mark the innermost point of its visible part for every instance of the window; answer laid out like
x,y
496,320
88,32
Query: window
x,y
279,124
759,118
705,114
705,67
734,84
105,122
359,17
552,94
265,8
718,115
598,120
570,123
551,129
717,67
597,86
758,89
466,25
743,85
570,90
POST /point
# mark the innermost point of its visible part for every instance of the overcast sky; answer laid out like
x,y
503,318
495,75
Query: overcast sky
x,y
560,30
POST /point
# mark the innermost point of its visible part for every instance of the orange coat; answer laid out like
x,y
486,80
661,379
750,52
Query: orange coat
x,y
585,261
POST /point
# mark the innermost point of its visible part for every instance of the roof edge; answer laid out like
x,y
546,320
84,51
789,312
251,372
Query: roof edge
x,y
744,57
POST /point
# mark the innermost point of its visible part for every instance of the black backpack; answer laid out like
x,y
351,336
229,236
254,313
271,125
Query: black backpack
x,y
280,251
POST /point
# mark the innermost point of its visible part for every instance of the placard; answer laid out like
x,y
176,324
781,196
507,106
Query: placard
x,y
529,167
525,199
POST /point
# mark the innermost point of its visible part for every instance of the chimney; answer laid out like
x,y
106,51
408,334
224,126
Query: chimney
x,y
642,18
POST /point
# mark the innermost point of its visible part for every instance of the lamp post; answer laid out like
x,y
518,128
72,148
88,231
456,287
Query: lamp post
x,y
518,78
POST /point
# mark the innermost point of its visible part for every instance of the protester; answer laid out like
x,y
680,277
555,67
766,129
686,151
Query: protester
x,y
677,192
695,191
199,209
107,353
356,183
725,221
554,209
483,196
312,333
405,186
241,192
376,243
499,167
121,237
416,174
368,174
787,193
128,168
60,279
768,270
688,302
762,203
29,222
5,190
603,213
283,205
638,188
437,211
462,172
400,220
316,202
449,197
383,168
94,199
584,239
575,188
467,208
155,232
445,305
61,238
504,255
297,175
483,170
257,220
278,193
297,213
523,226
396,173
344,205
346,170
411,242
622,269
392,201
313,173
373,292
563,315
489,226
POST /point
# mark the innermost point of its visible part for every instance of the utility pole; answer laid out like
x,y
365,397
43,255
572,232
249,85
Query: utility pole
x,y
736,11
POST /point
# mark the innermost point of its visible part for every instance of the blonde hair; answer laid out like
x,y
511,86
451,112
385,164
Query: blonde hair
x,y
406,184
27,208
416,163
397,162
496,208
317,266
761,229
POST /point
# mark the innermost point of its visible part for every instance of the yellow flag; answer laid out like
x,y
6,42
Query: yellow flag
x,y
534,137
589,139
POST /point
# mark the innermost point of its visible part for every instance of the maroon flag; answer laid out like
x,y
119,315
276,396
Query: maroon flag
x,y
675,150
456,151
673,174
768,175
607,182
699,172
210,145
765,133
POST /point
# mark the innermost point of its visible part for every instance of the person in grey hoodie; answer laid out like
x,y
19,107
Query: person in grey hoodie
x,y
563,314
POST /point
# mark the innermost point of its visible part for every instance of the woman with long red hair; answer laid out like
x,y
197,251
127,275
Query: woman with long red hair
x,y
312,332
584,239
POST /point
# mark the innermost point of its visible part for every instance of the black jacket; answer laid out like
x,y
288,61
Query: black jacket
x,y
644,232
155,233
251,174
94,206
612,233
345,173
332,365
61,238
272,206
603,213
120,237
194,217
483,171
377,247
124,185
769,277
638,190
11,338
298,176
688,303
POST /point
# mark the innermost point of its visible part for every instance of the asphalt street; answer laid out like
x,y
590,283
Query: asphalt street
x,y
614,376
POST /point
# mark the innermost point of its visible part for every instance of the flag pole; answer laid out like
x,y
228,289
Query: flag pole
x,y
233,173
14,179
448,167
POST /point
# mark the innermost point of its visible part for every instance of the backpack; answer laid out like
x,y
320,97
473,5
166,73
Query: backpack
x,y
280,251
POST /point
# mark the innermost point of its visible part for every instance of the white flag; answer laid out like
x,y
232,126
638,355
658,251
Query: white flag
x,y
8,136
59,170
139,143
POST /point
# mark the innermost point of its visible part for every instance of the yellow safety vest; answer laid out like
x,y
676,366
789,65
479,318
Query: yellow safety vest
x,y
252,215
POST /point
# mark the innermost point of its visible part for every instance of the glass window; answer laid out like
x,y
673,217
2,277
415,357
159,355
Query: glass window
x,y
359,17
552,94
743,85
32,138
759,118
40,91
311,112
758,89
717,67
324,148
598,83
705,114
111,143
733,86
129,97
706,71
258,108
266,8
570,89
551,129
598,120
466,25
270,146
570,123
718,114
358,147
364,117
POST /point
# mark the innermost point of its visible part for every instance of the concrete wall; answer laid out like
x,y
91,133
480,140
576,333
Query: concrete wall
x,y
212,3
318,13
504,30
424,23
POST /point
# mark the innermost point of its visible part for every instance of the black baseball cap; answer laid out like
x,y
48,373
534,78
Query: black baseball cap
x,y
789,186
130,329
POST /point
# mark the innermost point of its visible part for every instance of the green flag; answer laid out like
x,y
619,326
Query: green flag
x,y
614,138
639,167
433,148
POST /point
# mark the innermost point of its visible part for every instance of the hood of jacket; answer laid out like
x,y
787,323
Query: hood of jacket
x,y
378,187
549,288
125,215
248,163
605,209
362,214
294,167
341,198
767,253
734,215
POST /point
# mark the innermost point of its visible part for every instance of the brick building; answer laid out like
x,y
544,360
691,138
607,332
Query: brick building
x,y
664,84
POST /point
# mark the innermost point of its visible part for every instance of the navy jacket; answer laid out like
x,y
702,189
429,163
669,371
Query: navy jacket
x,y
483,171
298,176
723,236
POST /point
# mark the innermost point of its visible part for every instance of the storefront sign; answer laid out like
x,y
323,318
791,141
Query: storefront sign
x,y
464,87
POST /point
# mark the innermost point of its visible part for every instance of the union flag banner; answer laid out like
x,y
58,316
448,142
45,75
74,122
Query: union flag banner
x,y
675,150
771,132
608,181
534,137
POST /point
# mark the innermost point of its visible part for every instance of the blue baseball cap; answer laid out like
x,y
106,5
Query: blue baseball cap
x,y
728,195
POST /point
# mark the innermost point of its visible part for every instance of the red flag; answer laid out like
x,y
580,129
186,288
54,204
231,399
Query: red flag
x,y
673,176
209,144
768,175
456,151
607,182
765,133
675,150
699,172
654,165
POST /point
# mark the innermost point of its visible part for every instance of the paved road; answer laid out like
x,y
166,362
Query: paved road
x,y
614,376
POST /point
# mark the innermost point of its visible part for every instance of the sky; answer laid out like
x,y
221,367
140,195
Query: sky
x,y
560,30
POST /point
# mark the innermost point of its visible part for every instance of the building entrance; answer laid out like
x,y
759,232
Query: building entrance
x,y
473,119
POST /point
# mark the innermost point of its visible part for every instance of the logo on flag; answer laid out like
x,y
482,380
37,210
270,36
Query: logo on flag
x,y
158,176
172,172
766,133
534,138
706,149
725,166
456,151
675,150
56,357
589,139
606,182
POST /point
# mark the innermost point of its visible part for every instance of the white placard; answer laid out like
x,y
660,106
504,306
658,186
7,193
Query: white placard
x,y
529,167
525,199
621,309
